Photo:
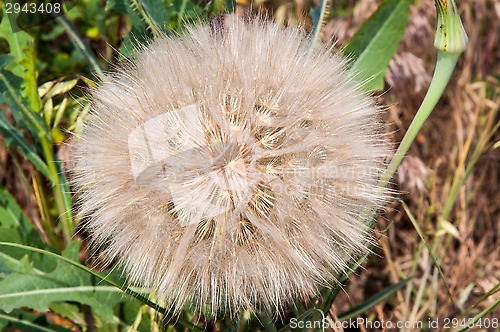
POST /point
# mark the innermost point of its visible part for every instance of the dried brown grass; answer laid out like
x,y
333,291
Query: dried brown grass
x,y
459,125
467,111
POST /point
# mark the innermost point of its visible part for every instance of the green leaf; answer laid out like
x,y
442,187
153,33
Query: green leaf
x,y
17,41
156,11
230,5
27,286
25,321
371,302
374,44
96,277
134,313
16,227
13,137
11,215
318,15
22,49
10,85
137,34
69,311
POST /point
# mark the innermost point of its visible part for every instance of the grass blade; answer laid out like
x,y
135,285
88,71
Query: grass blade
x,y
483,313
13,137
81,45
429,248
374,44
318,15
31,326
359,309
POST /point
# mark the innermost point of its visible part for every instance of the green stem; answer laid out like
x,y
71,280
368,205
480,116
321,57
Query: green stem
x,y
63,209
48,227
80,44
450,40
30,78
444,68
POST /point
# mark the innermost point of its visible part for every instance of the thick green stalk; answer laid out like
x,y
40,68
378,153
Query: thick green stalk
x,y
444,68
450,41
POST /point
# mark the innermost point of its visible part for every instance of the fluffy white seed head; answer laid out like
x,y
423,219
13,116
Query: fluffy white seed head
x,y
231,169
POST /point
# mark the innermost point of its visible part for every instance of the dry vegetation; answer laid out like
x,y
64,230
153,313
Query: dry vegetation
x,y
461,133
449,181
455,147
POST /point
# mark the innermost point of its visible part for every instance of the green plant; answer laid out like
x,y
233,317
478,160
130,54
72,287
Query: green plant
x,y
39,261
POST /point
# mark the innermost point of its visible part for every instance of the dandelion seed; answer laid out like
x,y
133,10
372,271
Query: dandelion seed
x,y
231,170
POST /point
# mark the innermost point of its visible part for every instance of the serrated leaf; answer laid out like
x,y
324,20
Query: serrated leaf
x,y
15,227
22,49
17,41
137,34
374,44
156,10
97,278
26,286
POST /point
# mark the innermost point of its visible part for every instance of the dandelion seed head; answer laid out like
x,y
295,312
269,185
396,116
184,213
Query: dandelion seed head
x,y
231,170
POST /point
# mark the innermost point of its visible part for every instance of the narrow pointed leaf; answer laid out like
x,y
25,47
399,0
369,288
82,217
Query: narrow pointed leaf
x,y
13,137
374,44
371,302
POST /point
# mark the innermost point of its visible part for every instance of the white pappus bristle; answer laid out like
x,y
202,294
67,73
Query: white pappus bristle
x,y
231,169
